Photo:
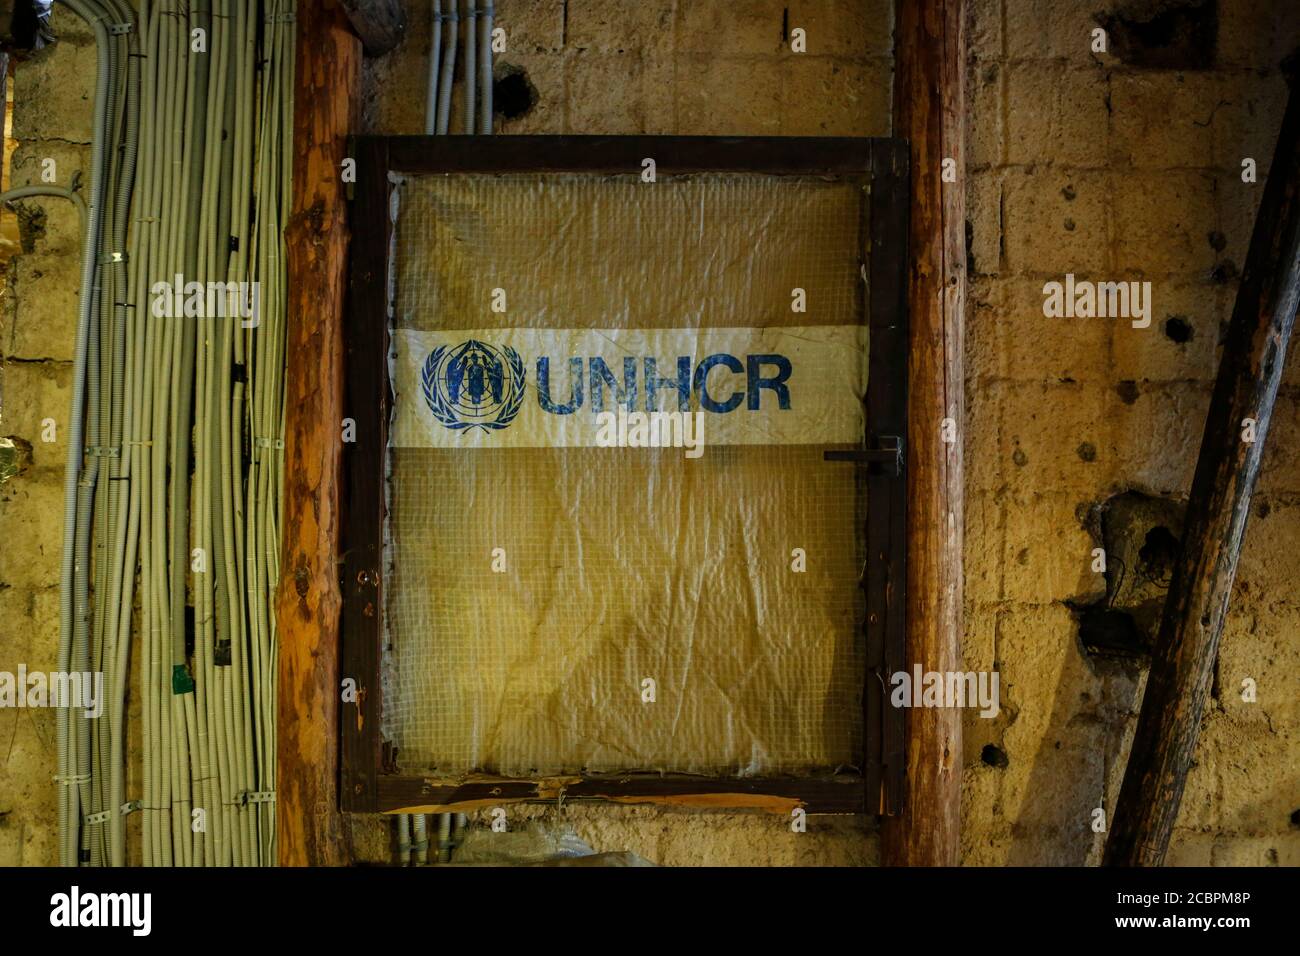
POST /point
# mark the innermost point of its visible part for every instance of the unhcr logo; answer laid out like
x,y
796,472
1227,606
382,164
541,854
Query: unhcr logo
x,y
474,385
627,387
477,385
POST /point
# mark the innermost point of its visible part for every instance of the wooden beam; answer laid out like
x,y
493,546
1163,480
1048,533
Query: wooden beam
x,y
834,794
930,112
1182,663
380,24
309,828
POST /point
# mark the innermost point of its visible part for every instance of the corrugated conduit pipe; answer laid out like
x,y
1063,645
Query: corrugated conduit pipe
x,y
69,774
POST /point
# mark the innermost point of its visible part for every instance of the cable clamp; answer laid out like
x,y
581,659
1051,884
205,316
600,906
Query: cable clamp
x,y
245,797
120,29
104,451
71,780
103,816
276,443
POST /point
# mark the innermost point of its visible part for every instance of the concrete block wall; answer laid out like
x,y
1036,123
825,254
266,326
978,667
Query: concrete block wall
x,y
1077,162
53,94
1111,168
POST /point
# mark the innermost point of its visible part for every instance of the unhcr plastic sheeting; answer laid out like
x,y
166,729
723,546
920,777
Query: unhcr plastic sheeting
x,y
613,542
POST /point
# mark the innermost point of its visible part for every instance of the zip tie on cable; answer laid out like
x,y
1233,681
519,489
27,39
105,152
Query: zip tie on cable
x,y
422,845
110,257
143,444
276,443
280,18
453,16
69,780
488,11
119,29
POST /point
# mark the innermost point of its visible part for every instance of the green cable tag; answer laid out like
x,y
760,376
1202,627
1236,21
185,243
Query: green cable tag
x,y
182,682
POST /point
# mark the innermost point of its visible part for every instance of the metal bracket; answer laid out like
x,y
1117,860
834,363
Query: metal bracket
x,y
888,453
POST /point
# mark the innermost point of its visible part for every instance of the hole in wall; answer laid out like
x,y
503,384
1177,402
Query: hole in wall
x,y
1140,535
994,756
15,457
513,94
1157,555
31,226
1108,632
1225,271
1164,34
1295,818
1178,329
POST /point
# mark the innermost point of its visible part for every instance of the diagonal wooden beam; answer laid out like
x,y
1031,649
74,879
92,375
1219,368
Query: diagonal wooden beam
x,y
930,112
1182,664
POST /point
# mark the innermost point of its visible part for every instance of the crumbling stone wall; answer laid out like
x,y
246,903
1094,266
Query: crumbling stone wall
x,y
1110,166
53,96
1125,165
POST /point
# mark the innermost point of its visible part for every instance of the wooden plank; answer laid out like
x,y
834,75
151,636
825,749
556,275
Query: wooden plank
x,y
1182,664
887,386
368,402
308,825
930,112
380,24
834,794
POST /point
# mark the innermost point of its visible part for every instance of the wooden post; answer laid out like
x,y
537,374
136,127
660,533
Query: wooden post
x,y
1182,663
930,112
309,827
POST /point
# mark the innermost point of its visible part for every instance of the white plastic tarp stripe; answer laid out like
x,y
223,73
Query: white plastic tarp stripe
x,y
548,388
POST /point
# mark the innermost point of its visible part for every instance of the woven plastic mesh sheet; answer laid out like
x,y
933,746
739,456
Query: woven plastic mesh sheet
x,y
624,564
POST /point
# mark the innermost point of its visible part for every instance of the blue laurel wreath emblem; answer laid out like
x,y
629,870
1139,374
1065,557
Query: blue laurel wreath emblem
x,y
473,385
